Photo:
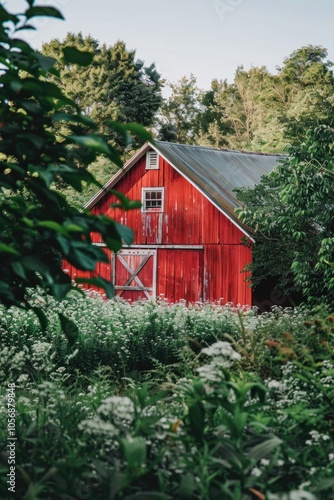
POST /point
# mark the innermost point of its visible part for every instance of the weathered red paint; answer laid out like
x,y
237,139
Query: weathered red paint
x,y
211,272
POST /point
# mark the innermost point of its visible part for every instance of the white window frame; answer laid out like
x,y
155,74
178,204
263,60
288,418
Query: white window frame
x,y
143,197
149,164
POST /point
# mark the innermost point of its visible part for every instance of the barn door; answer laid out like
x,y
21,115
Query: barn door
x,y
134,274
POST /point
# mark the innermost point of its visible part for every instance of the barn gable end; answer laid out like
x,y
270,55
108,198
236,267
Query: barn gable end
x,y
187,241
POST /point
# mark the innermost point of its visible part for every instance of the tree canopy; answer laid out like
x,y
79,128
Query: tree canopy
x,y
180,111
115,86
258,111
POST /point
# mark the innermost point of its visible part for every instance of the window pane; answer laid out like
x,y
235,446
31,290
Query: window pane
x,y
152,200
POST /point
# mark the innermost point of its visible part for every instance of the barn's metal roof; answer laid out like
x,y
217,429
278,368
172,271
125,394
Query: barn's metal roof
x,y
215,172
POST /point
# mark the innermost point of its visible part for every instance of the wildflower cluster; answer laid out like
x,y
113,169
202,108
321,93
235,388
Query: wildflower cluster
x,y
207,401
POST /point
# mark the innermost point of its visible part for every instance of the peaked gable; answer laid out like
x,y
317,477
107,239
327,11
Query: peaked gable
x,y
214,172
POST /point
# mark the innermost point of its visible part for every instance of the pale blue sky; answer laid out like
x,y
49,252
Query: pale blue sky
x,y
208,38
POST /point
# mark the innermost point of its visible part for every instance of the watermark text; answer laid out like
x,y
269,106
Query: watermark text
x,y
11,437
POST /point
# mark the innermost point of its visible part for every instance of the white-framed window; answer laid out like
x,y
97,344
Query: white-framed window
x,y
153,199
152,160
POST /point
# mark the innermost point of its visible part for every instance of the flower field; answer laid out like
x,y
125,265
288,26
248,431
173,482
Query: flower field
x,y
162,401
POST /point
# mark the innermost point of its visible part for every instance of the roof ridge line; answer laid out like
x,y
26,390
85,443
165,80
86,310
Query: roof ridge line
x,y
222,149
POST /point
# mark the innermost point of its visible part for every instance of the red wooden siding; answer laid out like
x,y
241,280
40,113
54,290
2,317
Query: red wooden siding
x,y
209,269
222,274
180,274
188,217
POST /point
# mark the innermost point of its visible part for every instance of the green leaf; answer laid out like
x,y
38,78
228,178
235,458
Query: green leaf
x,y
325,484
69,328
199,387
125,233
8,249
19,270
45,62
91,141
134,451
99,283
125,202
54,226
148,495
59,291
34,264
64,244
263,449
37,141
6,294
139,131
187,487
84,255
44,322
43,11
116,483
124,128
72,55
197,419
73,228
26,27
31,107
6,16
120,129
68,117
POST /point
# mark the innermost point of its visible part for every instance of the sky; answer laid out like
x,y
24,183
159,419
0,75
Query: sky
x,y
209,38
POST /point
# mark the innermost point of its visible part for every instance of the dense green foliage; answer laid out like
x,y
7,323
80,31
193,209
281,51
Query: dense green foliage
x,y
38,225
199,428
258,111
179,114
115,86
292,214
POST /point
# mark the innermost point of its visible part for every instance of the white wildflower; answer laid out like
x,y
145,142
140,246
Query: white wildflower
x,y
97,426
274,384
221,349
209,373
120,408
256,472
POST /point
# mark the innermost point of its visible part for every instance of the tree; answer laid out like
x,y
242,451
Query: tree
x,y
213,123
306,84
239,115
115,86
260,111
292,211
36,221
180,111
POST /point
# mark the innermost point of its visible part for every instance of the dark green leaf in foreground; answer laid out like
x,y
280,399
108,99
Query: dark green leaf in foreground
x,y
125,203
43,11
263,449
76,56
100,283
134,451
69,328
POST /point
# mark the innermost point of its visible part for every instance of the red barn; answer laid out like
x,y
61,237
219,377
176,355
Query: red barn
x,y
187,241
